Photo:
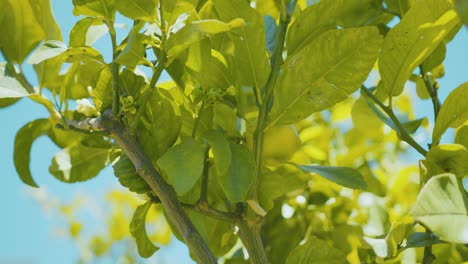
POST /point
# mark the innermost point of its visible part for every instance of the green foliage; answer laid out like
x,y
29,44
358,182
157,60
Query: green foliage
x,y
256,88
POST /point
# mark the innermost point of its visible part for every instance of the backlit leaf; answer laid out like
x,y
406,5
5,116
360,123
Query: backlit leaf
x,y
221,150
183,164
87,31
344,176
134,51
49,49
146,248
316,251
95,8
324,72
138,9
410,42
453,113
10,87
450,158
442,206
462,136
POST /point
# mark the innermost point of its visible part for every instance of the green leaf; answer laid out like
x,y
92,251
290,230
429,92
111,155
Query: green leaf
x,y
128,177
102,92
316,251
413,125
5,102
221,150
250,56
196,31
462,136
146,248
410,42
44,16
344,176
183,165
324,73
422,239
274,184
134,51
21,30
79,162
95,8
23,142
10,87
462,9
450,158
238,180
399,6
442,206
87,31
453,113
138,9
49,49
218,235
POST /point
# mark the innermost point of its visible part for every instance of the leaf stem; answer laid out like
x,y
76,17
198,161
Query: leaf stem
x,y
267,94
401,130
114,70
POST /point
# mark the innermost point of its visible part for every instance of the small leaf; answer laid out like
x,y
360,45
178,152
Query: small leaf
x,y
183,165
316,251
450,158
196,31
326,71
422,239
95,8
23,141
453,113
442,206
138,229
49,49
10,87
138,9
238,180
221,150
344,176
87,31
78,162
134,51
128,177
411,41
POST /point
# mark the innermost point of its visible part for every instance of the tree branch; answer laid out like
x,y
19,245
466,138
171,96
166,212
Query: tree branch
x,y
249,233
401,130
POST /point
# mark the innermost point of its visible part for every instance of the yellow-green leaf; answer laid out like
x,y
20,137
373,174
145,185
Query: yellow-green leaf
x,y
138,9
138,229
344,176
95,8
410,42
316,251
10,87
450,158
453,113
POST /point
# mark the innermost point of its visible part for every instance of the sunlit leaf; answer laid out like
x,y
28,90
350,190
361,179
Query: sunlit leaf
x,y
95,8
316,251
23,142
344,176
10,87
221,150
138,9
183,164
49,49
138,229
410,42
324,72
237,181
450,158
134,51
280,143
462,9
20,29
462,136
87,31
442,206
453,113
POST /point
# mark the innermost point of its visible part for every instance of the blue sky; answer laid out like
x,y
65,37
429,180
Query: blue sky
x,y
29,233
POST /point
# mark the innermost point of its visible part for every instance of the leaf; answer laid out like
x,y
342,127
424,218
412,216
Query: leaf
x,y
23,142
138,9
10,87
238,180
422,239
453,113
183,164
315,251
196,31
44,16
270,33
221,150
20,30
280,143
411,41
102,92
450,158
250,57
442,206
344,176
462,136
134,51
79,162
462,9
95,8
146,248
128,177
324,73
87,31
49,49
